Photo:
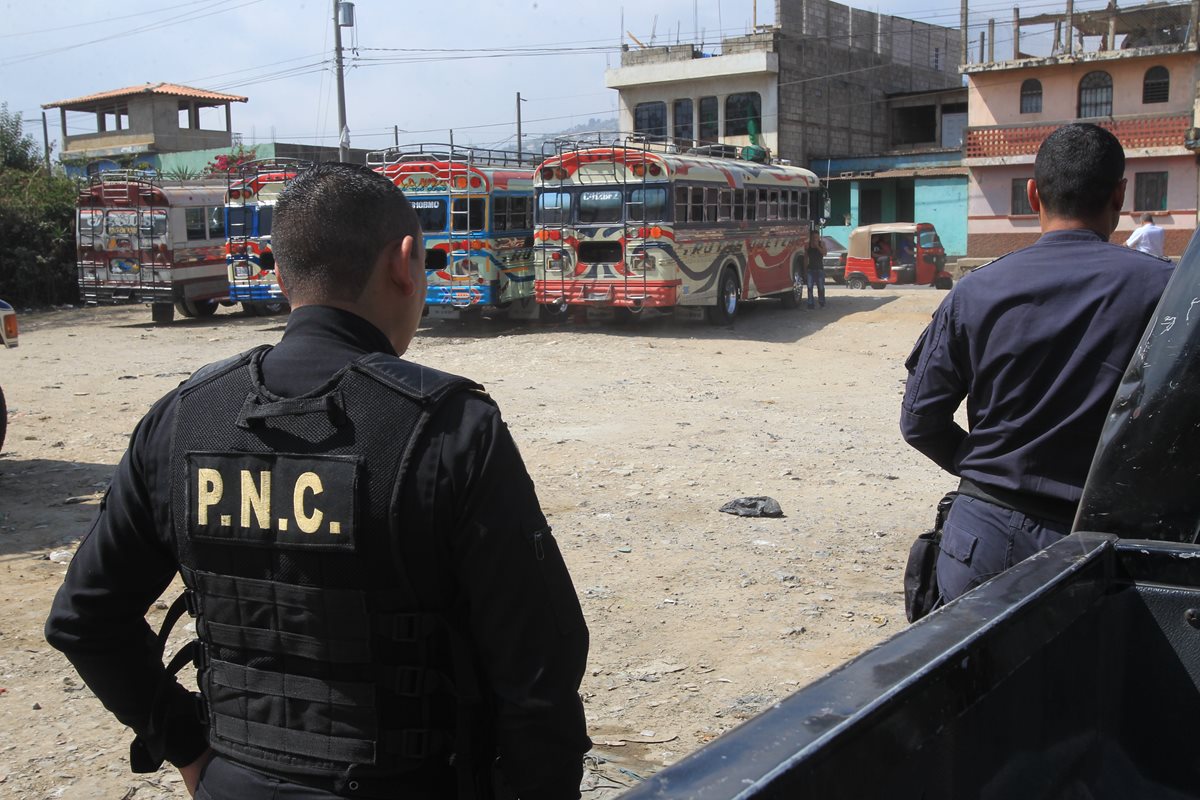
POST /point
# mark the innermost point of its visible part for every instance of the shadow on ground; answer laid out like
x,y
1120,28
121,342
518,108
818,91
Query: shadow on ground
x,y
765,320
46,503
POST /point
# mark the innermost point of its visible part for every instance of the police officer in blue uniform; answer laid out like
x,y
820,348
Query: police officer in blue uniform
x,y
381,609
1036,342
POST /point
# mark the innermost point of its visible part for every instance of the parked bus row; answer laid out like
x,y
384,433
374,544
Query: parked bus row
x,y
619,225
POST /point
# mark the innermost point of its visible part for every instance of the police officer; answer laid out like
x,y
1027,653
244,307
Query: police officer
x,y
381,609
1036,342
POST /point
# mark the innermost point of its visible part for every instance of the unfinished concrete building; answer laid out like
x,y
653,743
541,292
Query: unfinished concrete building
x,y
811,86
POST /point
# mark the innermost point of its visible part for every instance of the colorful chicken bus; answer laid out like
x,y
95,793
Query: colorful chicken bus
x,y
143,240
476,209
249,207
633,224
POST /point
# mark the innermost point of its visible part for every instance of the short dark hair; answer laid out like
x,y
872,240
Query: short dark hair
x,y
1147,217
331,223
1077,169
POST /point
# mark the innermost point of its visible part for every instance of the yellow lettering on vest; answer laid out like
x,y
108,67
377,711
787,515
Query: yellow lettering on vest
x,y
209,490
256,498
309,523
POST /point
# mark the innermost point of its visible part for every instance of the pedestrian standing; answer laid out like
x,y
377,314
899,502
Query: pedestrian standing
x,y
815,259
381,609
1147,237
1036,343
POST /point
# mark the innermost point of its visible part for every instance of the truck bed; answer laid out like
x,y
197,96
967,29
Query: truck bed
x,y
1073,676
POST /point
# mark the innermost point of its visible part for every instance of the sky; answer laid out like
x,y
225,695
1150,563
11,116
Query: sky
x,y
423,67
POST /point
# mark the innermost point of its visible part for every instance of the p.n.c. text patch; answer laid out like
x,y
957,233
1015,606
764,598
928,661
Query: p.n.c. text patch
x,y
270,499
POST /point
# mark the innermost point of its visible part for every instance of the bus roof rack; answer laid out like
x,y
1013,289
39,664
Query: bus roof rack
x,y
437,151
655,144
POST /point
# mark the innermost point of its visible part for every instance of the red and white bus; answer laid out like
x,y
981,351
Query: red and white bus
x,y
634,224
142,240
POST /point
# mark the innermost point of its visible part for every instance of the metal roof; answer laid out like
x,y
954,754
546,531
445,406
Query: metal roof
x,y
167,89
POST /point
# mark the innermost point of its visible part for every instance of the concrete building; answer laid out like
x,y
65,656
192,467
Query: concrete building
x,y
1133,71
920,177
139,123
811,86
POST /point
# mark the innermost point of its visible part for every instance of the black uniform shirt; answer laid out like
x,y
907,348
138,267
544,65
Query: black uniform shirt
x,y
468,487
1036,342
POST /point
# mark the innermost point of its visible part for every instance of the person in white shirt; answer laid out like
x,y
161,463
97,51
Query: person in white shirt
x,y
1147,237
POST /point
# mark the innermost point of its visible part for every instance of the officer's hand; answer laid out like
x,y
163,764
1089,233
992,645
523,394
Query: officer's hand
x,y
191,773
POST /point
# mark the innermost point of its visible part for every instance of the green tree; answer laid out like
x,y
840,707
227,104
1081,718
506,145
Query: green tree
x,y
37,212
18,150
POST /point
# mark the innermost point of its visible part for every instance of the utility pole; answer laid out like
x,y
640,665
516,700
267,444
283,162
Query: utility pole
x,y
965,35
343,131
46,141
520,142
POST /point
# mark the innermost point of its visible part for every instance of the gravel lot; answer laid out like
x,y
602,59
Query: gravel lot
x,y
635,436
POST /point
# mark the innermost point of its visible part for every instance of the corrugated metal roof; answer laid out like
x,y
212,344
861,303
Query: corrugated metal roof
x,y
168,89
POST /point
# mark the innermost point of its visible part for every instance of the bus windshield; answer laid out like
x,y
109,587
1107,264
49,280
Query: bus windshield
x,y
554,208
121,222
602,205
154,223
431,213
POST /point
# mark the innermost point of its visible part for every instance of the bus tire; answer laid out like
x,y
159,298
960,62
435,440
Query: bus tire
x,y
624,315
554,313
3,419
792,299
723,311
271,309
162,313
856,282
196,308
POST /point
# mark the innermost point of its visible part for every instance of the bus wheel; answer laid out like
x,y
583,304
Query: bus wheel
x,y
792,299
725,309
273,309
856,282
162,312
623,315
197,308
554,312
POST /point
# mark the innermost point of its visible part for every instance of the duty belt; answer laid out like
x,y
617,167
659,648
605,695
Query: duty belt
x,y
1038,506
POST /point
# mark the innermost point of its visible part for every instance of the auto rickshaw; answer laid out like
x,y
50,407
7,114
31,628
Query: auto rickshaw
x,y
896,252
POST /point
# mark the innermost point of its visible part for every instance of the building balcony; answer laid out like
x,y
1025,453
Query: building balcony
x,y
1134,133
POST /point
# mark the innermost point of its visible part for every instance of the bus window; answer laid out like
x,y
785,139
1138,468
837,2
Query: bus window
x,y
804,204
762,204
710,205
681,203
194,221
91,221
725,209
520,215
154,223
265,213
121,223
216,223
697,213
499,213
739,204
751,204
773,205
648,205
554,208
431,213
468,214
600,206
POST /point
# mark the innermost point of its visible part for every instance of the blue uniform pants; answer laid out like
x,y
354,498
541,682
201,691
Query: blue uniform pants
x,y
980,540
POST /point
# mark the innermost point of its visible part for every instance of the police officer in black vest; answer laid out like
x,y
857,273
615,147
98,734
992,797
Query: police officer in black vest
x,y
381,610
1036,342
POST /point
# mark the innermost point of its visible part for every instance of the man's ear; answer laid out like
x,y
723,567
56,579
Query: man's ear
x,y
279,280
399,257
1118,195
1031,192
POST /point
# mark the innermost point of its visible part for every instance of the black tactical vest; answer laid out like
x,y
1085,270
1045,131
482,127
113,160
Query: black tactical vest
x,y
318,661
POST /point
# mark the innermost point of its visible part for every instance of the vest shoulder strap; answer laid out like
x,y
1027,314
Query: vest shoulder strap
x,y
424,385
219,368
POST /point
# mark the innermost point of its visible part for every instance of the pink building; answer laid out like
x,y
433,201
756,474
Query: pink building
x,y
1143,89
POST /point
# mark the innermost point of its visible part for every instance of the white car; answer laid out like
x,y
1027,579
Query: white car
x,y
8,335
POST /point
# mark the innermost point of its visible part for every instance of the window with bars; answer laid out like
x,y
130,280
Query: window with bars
x,y
743,112
682,127
650,119
1020,198
1095,95
1150,191
709,108
1156,86
1031,96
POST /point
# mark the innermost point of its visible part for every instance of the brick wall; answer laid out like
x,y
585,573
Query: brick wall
x,y
991,245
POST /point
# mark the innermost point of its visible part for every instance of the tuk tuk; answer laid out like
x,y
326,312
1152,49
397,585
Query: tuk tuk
x,y
896,252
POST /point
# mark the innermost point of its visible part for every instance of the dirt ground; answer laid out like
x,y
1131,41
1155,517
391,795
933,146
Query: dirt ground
x,y
635,436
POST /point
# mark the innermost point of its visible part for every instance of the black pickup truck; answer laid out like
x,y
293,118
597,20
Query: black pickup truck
x,y
1073,676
